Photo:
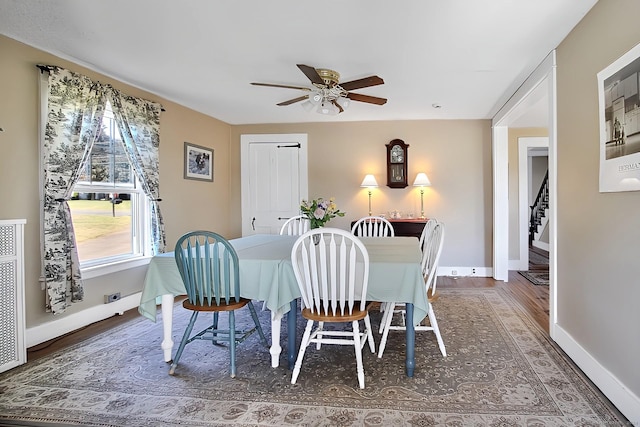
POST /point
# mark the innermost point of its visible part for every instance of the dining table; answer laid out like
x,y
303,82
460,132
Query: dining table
x,y
266,274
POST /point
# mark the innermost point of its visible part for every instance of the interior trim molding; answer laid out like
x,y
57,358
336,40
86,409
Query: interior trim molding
x,y
626,402
69,323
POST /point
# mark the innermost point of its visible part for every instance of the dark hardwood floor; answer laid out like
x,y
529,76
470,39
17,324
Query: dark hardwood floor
x,y
534,299
48,347
538,259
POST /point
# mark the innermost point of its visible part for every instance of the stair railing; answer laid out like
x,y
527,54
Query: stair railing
x,y
539,205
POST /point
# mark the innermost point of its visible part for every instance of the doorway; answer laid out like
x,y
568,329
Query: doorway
x,y
538,90
533,163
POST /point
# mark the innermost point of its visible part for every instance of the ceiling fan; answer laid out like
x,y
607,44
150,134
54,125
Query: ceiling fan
x,y
328,94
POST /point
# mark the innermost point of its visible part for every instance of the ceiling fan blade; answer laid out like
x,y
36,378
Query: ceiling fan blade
x,y
366,98
340,109
311,74
284,86
360,83
293,101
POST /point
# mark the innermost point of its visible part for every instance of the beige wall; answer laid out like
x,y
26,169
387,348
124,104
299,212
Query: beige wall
x,y
598,289
186,203
456,155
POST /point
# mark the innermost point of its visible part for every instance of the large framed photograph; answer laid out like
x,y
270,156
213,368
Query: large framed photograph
x,y
619,116
198,162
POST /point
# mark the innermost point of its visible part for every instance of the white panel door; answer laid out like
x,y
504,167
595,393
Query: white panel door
x,y
274,181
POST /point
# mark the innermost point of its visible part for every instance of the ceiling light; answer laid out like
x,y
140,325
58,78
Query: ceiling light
x,y
344,102
308,105
329,108
315,98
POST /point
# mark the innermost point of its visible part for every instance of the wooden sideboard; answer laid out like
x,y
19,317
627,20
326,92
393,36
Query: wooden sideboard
x,y
406,227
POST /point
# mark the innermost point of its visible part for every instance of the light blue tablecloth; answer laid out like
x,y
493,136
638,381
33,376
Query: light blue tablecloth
x,y
266,273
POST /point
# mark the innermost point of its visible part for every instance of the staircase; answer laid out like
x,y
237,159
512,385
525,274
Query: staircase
x,y
539,211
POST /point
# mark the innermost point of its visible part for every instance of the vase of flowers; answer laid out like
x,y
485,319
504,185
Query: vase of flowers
x,y
320,211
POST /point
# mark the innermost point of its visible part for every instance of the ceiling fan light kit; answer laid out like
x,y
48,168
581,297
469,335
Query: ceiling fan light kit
x,y
327,94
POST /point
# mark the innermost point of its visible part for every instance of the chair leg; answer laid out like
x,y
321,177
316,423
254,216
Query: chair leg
x,y
303,348
383,310
358,350
319,335
372,344
434,325
385,333
254,315
232,342
183,342
215,328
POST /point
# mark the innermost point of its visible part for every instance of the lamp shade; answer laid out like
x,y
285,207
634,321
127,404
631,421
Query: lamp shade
x,y
315,98
308,105
343,102
369,181
422,180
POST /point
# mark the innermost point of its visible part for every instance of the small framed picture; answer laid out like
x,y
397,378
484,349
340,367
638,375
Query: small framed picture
x,y
198,162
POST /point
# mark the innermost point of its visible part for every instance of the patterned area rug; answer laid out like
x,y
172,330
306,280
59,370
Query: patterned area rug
x,y
501,370
536,277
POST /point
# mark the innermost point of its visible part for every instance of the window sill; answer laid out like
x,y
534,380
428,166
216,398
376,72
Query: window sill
x,y
113,267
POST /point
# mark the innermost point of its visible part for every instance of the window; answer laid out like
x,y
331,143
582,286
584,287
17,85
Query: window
x,y
108,208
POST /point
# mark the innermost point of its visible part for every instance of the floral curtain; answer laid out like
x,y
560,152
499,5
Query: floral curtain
x,y
139,124
75,106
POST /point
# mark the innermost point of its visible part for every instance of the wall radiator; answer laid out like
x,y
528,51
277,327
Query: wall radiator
x,y
13,351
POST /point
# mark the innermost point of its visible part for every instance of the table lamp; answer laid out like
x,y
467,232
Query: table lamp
x,y
422,181
369,182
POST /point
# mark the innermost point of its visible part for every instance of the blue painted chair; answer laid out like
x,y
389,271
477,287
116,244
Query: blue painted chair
x,y
208,265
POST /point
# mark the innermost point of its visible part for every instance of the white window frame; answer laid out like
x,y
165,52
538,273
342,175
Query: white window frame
x,y
141,215
141,227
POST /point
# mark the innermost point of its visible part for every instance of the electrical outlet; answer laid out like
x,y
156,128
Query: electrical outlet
x,y
454,272
473,271
111,298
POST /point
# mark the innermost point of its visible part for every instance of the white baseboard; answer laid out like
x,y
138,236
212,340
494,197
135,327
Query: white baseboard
x,y
518,265
47,331
626,402
465,271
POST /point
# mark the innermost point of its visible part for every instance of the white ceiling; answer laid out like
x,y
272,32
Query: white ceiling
x,y
468,56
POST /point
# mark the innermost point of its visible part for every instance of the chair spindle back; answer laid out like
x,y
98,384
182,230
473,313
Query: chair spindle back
x,y
373,226
332,269
208,265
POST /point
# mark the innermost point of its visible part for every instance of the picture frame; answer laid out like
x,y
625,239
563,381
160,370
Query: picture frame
x,y
198,162
619,118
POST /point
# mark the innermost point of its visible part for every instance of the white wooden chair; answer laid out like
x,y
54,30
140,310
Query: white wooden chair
x,y
373,226
295,226
332,270
427,231
430,258
425,238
